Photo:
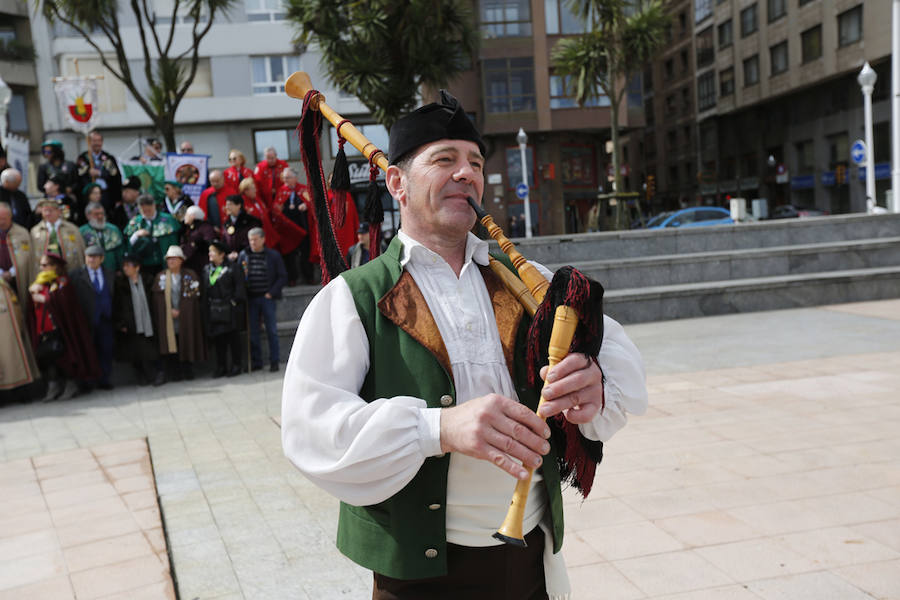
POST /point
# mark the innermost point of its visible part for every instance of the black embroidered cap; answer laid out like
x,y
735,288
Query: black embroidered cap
x,y
436,121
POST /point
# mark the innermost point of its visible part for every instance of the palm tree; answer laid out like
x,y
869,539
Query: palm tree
x,y
385,51
623,35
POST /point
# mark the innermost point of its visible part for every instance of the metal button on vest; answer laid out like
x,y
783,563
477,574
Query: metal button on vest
x,y
446,400
434,506
431,553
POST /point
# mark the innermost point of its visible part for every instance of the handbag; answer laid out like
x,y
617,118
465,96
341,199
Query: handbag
x,y
50,344
219,310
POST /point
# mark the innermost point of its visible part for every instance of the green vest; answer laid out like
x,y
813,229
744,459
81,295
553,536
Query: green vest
x,y
399,537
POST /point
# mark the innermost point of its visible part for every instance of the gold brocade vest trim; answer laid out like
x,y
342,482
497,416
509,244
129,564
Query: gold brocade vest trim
x,y
405,536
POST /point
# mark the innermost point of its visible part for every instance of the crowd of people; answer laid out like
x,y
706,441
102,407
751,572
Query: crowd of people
x,y
100,272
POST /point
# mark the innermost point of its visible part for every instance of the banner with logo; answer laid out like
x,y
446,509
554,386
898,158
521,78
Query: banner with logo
x,y
152,176
190,170
17,155
78,102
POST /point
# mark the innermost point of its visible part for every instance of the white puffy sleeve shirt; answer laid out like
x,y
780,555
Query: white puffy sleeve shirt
x,y
363,453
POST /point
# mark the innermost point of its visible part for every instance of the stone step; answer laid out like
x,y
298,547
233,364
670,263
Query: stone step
x,y
658,303
574,248
741,264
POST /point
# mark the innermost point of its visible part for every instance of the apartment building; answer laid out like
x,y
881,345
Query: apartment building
x,y
778,106
237,99
514,85
17,67
668,143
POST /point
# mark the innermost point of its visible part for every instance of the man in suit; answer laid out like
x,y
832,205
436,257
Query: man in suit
x,y
94,289
98,166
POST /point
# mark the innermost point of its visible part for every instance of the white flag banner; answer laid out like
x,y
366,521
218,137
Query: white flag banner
x,y
190,170
78,102
17,155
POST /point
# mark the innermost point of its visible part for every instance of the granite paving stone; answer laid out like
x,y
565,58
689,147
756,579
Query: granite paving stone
x,y
749,478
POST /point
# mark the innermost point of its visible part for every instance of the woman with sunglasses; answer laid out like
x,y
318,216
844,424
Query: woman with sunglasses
x,y
236,172
56,164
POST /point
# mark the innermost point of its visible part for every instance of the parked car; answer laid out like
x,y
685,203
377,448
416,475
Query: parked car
x,y
790,211
696,216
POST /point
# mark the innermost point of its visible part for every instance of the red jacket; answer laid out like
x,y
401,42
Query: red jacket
x,y
282,234
233,180
219,196
268,179
284,193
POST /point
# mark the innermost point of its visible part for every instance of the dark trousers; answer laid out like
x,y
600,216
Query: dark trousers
x,y
297,264
501,572
103,343
265,307
222,343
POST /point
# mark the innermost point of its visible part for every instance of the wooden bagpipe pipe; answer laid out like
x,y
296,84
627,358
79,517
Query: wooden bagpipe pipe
x,y
567,312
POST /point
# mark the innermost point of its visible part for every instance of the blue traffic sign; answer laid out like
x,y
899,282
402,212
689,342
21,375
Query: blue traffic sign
x,y
858,152
522,191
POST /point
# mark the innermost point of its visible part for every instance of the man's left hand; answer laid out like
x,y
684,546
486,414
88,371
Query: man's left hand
x,y
574,388
268,296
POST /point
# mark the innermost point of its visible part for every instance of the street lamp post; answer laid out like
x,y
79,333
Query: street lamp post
x,y
867,78
523,141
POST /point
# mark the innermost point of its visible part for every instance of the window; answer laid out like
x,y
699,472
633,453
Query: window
x,y
802,2
702,9
838,149
811,41
751,70
375,133
673,180
648,78
726,36
705,52
669,69
269,73
18,116
726,82
561,19
749,23
509,84
560,98
684,62
283,140
850,26
671,139
649,115
670,104
686,100
682,20
706,90
778,56
805,155
777,9
505,18
265,10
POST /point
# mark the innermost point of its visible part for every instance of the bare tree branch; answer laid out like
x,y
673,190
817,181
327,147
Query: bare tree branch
x,y
152,22
172,26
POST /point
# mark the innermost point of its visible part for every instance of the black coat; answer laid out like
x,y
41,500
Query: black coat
x,y
21,208
130,345
235,234
84,291
223,303
195,239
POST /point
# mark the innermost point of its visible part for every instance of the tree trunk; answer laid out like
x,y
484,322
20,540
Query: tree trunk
x,y
167,131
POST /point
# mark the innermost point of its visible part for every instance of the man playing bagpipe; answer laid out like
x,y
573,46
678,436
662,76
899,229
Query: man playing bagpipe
x,y
407,388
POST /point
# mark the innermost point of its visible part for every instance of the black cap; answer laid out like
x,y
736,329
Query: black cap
x,y
219,245
436,121
131,257
57,179
132,183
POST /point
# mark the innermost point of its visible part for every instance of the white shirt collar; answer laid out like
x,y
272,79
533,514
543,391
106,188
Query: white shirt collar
x,y
54,225
476,249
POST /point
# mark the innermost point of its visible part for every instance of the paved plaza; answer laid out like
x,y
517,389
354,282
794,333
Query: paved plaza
x,y
766,468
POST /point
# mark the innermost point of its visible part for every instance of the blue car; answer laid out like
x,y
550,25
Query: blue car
x,y
696,216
